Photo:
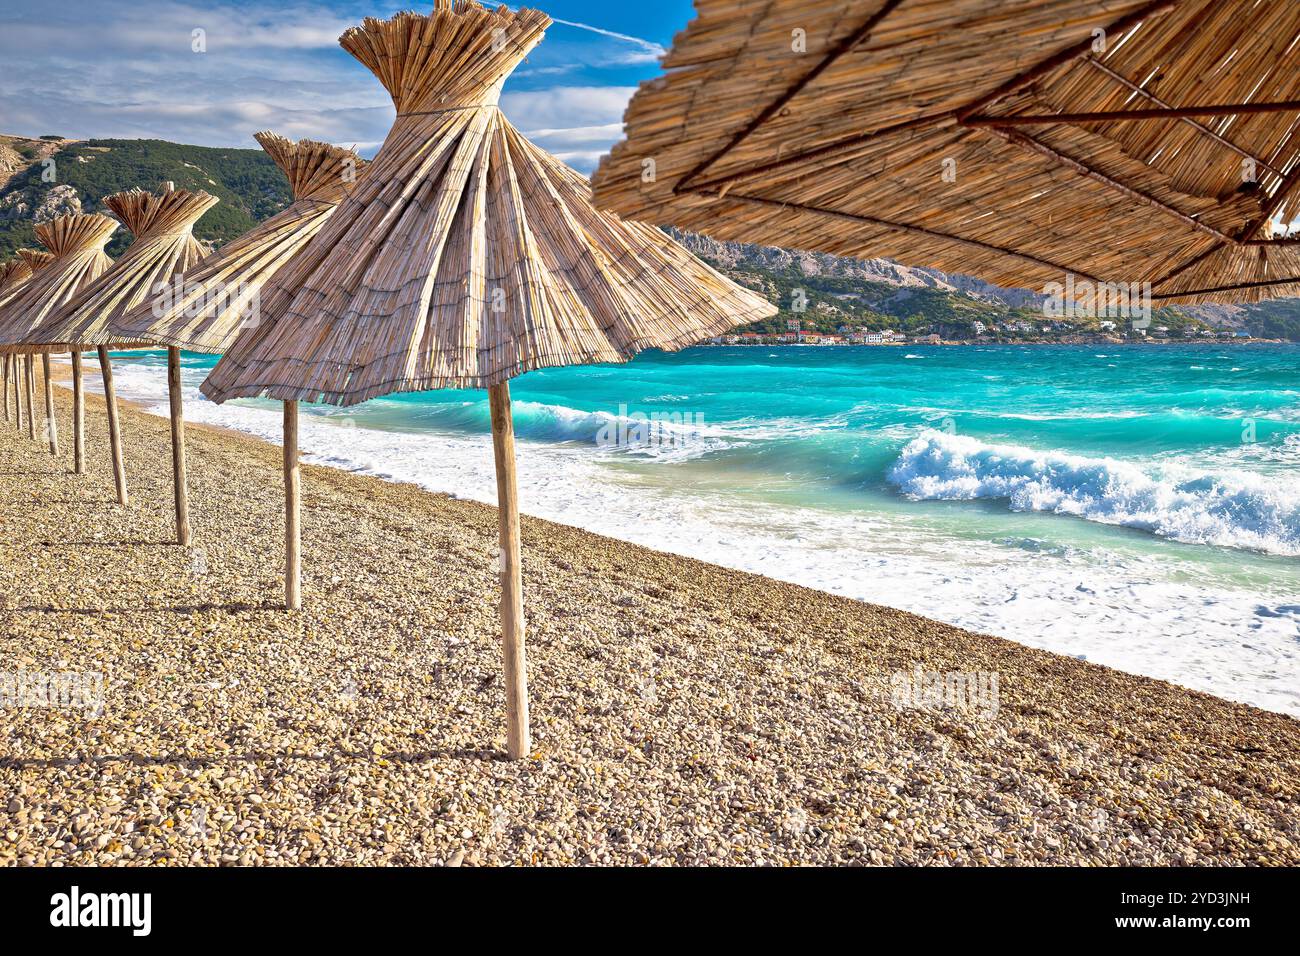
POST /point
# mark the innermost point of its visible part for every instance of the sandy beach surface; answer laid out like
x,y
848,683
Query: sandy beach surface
x,y
682,713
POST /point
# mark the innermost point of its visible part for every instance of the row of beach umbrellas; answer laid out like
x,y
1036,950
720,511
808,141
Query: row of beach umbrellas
x,y
461,256
1152,141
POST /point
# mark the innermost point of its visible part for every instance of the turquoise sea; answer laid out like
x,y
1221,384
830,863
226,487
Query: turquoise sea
x,y
1135,505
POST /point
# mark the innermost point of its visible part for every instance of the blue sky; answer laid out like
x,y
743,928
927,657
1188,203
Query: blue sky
x,y
90,68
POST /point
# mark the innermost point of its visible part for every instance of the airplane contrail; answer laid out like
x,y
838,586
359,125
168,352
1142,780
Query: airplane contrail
x,y
648,45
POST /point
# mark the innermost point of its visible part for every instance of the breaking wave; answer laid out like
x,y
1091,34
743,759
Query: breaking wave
x,y
1241,510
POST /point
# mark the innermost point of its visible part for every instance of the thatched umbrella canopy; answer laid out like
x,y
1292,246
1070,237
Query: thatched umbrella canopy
x,y
207,305
464,257
14,276
13,273
75,259
36,259
164,246
1135,140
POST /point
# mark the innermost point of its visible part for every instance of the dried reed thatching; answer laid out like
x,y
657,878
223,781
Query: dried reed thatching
x,y
164,246
27,262
465,256
220,294
13,273
36,259
965,135
76,259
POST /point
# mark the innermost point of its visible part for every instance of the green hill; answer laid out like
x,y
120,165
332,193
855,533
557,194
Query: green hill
x,y
249,185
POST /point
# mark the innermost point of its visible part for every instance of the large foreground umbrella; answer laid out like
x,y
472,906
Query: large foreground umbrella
x,y
464,257
1020,140
76,244
164,246
208,305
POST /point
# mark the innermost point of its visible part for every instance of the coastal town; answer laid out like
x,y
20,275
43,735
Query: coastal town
x,y
1017,332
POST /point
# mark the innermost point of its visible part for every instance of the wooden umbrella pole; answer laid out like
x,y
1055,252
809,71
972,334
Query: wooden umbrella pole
x,y
292,534
114,435
18,392
7,362
31,396
51,426
78,418
179,492
20,373
512,585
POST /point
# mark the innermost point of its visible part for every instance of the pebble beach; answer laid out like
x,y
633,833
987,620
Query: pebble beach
x,y
682,713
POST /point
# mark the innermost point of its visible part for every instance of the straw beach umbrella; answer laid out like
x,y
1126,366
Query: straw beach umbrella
x,y
76,249
13,273
206,306
36,259
1019,140
29,262
465,256
163,247
75,258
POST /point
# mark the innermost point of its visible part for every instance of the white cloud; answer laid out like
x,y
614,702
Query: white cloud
x,y
578,124
162,29
566,106
86,69
591,134
89,69
584,161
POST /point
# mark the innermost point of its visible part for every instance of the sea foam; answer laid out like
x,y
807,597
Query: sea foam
x,y
1240,510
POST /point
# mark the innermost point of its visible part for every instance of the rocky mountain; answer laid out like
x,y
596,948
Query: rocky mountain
x,y
58,200
10,161
740,255
17,153
1234,317
951,301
